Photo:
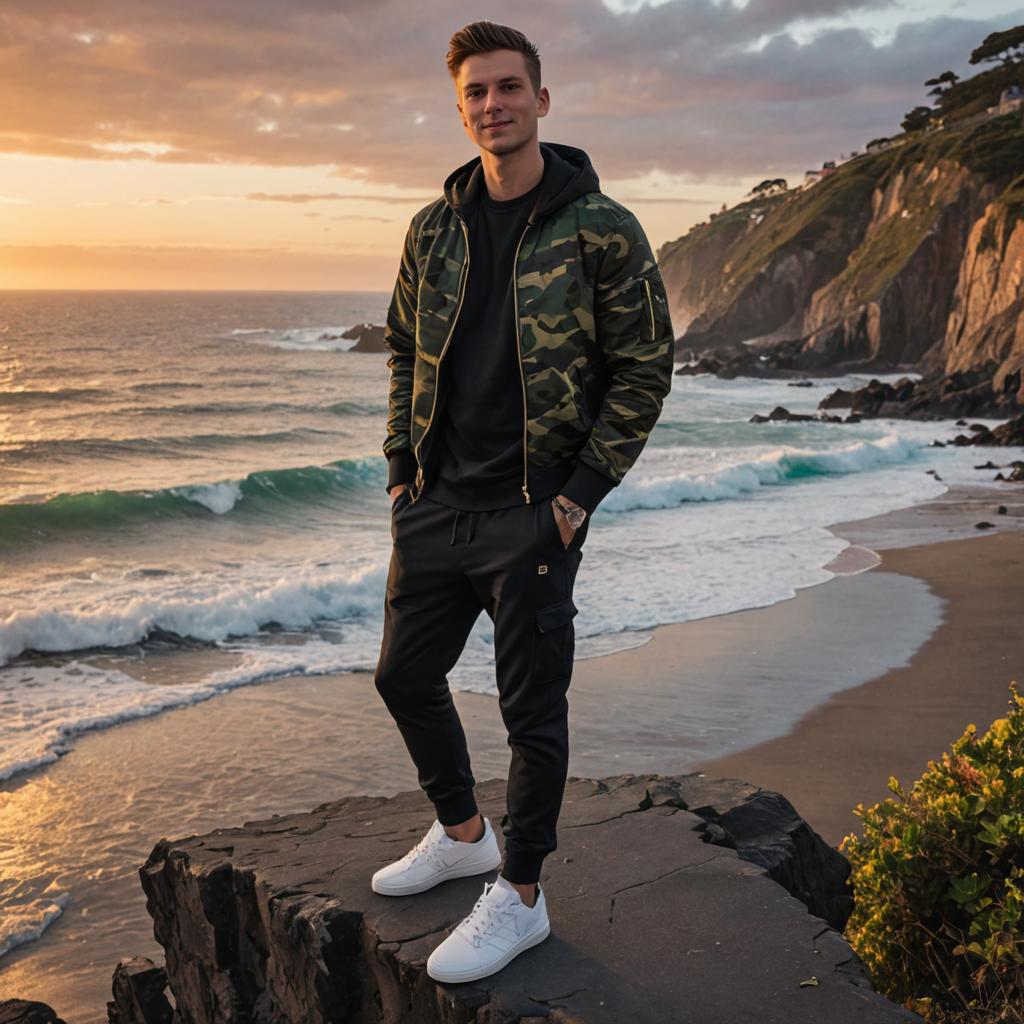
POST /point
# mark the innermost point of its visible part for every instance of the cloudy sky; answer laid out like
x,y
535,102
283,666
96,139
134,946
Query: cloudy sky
x,y
265,144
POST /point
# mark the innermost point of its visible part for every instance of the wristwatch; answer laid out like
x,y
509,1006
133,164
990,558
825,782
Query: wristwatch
x,y
575,515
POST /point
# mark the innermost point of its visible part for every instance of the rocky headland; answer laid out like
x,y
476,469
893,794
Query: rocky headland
x,y
906,258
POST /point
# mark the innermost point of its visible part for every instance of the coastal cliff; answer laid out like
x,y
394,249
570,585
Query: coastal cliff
x,y
910,257
986,324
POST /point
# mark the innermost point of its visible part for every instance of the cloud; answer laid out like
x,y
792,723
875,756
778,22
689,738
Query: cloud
x,y
706,90
319,197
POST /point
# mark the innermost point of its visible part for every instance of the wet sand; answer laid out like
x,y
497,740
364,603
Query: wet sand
x,y
844,751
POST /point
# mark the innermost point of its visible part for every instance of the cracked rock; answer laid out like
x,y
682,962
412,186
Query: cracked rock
x,y
671,898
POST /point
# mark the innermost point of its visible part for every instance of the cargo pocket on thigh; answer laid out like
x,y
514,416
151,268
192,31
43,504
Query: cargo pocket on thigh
x,y
555,640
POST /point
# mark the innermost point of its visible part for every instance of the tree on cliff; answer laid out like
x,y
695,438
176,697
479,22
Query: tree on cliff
x,y
917,119
943,83
956,99
769,187
1006,47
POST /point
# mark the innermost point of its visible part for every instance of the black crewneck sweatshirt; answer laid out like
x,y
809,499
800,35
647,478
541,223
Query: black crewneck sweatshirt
x,y
478,450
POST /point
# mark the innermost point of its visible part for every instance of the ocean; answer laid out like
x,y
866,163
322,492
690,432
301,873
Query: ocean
x,y
203,471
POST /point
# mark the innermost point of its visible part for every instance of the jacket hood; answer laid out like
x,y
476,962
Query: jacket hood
x,y
568,174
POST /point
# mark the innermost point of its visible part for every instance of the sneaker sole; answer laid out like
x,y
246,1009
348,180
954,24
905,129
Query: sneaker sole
x,y
453,977
455,871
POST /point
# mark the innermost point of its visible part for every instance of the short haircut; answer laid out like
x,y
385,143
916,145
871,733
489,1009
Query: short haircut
x,y
486,36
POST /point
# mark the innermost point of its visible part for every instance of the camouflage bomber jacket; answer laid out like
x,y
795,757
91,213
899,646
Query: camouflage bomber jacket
x,y
595,336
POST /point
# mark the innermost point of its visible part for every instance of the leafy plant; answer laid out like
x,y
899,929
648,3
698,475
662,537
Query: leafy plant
x,y
938,878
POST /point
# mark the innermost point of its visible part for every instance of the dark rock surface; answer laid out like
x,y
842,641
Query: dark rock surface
x,y
1010,433
780,414
764,828
138,988
967,393
672,898
26,1011
371,338
1016,474
733,361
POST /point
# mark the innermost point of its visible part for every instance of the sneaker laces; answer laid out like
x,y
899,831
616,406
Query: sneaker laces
x,y
485,918
428,846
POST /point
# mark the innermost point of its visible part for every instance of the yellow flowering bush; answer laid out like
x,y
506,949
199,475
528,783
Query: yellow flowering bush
x,y
938,878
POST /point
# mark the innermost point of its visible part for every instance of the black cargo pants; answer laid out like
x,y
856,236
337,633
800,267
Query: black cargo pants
x,y
447,566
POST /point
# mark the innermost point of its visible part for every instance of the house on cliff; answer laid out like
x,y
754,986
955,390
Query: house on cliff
x,y
812,177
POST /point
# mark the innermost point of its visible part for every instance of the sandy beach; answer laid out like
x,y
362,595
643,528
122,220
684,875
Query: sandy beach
x,y
865,676
844,751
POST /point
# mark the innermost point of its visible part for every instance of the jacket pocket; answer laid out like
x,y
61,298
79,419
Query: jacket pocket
x,y
555,641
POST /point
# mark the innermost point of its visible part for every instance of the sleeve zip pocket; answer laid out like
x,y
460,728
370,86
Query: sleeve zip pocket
x,y
650,304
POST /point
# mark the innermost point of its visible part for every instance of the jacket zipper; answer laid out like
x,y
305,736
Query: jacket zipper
x,y
437,372
519,353
650,304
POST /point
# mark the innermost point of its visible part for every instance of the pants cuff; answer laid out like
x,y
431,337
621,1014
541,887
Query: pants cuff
x,y
523,868
456,810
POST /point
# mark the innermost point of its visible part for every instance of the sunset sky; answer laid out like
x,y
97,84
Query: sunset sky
x,y
259,144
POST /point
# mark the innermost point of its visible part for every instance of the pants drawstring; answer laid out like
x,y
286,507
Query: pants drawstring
x,y
472,523
455,523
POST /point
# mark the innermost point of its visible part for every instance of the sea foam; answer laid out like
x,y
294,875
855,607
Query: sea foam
x,y
770,469
193,608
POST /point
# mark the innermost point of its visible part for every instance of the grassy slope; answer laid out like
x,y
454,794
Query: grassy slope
x,y
829,217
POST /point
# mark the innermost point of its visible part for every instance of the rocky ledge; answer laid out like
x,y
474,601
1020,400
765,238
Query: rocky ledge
x,y
671,898
968,393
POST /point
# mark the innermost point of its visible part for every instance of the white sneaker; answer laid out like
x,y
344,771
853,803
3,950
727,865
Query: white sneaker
x,y
436,858
499,927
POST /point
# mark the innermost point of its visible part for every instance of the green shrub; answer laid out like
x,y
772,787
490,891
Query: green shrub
x,y
938,879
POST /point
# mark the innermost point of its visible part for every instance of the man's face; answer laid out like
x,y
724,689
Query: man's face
x,y
494,89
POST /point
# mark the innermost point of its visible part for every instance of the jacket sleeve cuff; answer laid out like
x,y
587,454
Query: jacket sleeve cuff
x,y
587,487
401,467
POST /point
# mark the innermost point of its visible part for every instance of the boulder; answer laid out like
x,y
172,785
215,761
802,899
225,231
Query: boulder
x,y
1008,434
370,338
138,988
780,414
27,1011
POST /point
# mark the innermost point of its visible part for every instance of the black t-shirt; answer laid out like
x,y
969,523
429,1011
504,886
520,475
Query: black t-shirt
x,y
478,449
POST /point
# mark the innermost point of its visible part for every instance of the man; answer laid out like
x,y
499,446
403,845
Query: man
x,y
531,352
